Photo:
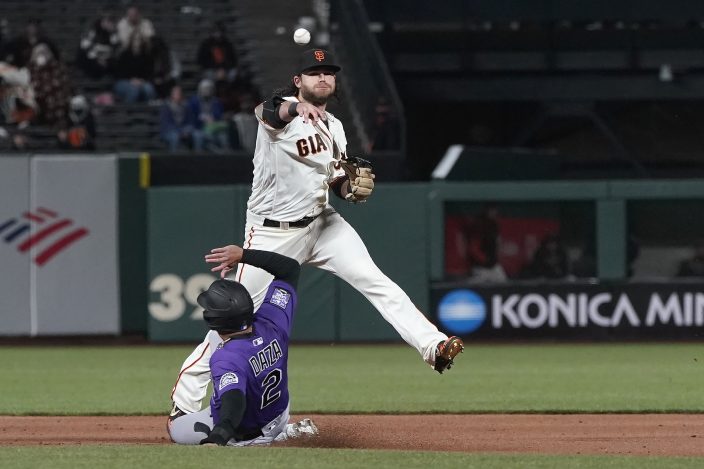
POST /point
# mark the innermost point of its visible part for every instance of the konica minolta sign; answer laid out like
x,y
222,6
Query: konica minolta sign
x,y
582,311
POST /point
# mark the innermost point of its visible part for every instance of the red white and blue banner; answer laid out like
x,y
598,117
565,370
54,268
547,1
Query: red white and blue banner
x,y
58,245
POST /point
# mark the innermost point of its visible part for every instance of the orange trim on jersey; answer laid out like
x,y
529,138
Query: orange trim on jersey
x,y
182,371
249,244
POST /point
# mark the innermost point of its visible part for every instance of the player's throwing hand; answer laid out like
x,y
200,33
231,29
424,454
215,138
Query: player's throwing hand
x,y
309,112
226,257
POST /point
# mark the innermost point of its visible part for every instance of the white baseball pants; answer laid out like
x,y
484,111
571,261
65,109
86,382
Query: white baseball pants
x,y
185,431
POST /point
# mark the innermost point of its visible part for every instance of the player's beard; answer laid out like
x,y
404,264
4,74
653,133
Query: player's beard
x,y
317,97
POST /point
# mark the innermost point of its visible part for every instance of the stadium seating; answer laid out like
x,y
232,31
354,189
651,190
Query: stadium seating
x,y
120,126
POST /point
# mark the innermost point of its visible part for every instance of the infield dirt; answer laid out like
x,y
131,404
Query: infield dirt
x,y
622,434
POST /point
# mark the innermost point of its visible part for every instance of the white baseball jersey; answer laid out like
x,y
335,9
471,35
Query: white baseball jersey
x,y
294,166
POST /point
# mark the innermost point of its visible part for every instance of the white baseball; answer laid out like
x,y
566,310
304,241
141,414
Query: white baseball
x,y
301,36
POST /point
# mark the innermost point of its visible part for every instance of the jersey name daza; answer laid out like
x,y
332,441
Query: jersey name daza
x,y
313,144
265,357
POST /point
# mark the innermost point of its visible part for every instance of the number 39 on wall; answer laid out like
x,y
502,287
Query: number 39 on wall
x,y
175,295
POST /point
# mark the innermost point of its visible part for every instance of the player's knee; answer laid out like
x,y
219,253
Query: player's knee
x,y
181,431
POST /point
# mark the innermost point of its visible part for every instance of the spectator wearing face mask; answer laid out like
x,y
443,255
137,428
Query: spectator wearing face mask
x,y
206,114
80,131
51,85
19,50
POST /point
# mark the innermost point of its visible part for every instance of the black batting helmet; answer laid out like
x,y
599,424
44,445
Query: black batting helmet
x,y
228,306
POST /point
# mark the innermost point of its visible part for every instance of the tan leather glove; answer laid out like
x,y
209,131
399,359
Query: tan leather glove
x,y
361,177
361,186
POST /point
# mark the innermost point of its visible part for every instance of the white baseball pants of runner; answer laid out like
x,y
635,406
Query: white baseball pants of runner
x,y
331,244
186,430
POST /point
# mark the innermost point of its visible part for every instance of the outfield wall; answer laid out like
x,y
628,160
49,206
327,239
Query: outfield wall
x,y
184,223
88,247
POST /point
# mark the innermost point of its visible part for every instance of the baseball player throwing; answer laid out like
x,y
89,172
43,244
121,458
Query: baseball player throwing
x,y
250,402
300,156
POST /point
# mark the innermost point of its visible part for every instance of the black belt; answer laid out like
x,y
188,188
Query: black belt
x,y
302,223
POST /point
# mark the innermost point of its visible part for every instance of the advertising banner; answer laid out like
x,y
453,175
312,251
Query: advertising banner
x,y
581,311
59,246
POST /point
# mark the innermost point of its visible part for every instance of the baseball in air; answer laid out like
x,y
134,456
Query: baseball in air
x,y
301,36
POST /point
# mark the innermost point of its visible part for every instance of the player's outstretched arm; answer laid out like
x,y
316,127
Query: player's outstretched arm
x,y
281,267
277,112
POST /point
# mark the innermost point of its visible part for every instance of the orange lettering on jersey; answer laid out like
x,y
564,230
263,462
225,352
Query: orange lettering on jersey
x,y
302,146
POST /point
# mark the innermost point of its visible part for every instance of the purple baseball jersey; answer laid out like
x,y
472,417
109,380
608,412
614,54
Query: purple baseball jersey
x,y
257,364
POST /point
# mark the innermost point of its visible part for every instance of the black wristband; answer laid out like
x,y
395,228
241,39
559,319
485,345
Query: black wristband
x,y
292,109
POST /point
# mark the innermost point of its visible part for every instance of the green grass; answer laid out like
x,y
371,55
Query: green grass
x,y
356,379
173,457
373,379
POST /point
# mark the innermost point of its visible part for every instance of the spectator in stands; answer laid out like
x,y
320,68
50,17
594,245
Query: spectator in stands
x,y
18,104
166,67
206,114
19,50
135,72
135,64
243,132
585,265
483,246
385,135
549,260
51,85
134,31
216,55
175,123
99,47
694,266
79,134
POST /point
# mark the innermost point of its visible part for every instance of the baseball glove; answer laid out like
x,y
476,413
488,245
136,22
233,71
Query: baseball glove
x,y
361,176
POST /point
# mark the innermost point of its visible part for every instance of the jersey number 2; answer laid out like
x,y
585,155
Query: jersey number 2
x,y
270,383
